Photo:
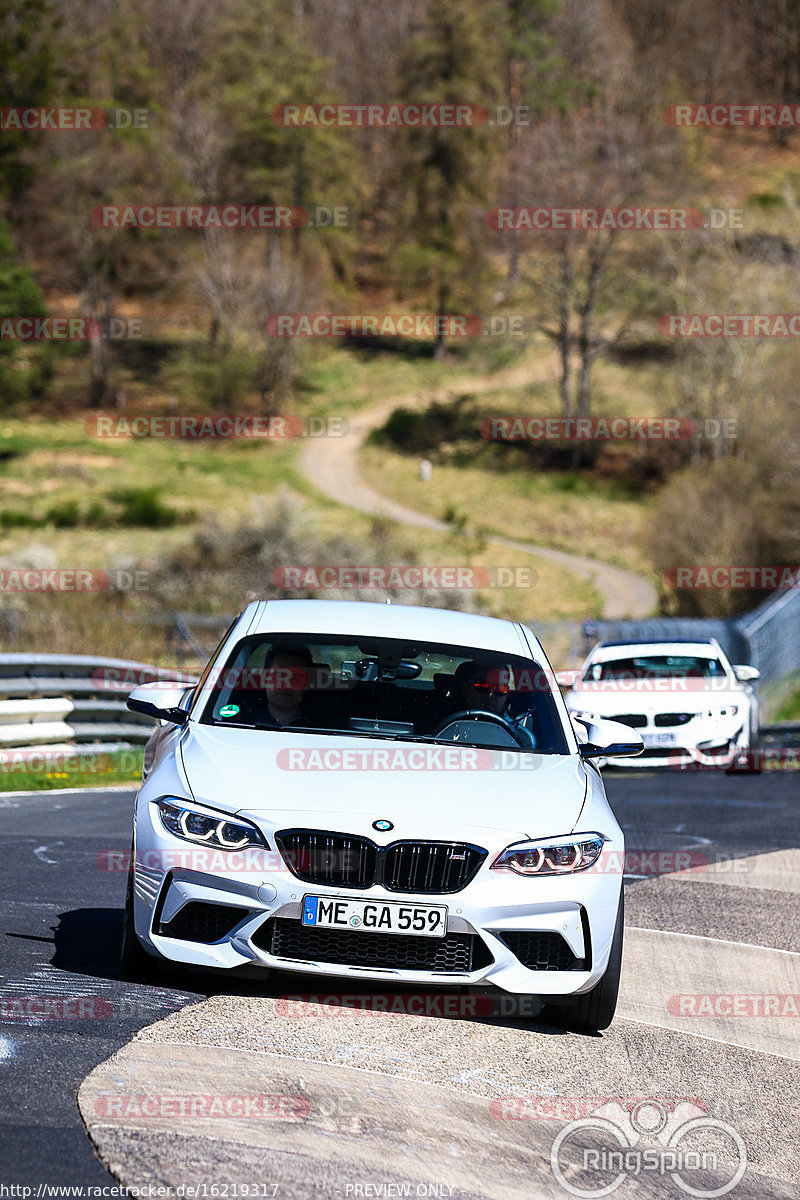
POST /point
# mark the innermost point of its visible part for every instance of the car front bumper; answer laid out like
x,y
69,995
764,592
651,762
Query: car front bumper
x,y
708,747
491,914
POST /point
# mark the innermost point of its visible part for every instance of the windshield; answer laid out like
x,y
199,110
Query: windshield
x,y
654,666
377,687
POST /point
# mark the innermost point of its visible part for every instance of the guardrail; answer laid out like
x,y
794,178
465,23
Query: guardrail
x,y
60,698
767,638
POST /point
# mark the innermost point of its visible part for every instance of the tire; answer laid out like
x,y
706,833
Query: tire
x,y
134,959
594,1010
750,761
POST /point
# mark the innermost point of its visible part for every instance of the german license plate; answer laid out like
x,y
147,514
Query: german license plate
x,y
658,739
375,916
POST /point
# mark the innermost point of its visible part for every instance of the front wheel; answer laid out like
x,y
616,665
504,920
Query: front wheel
x,y
747,757
595,1009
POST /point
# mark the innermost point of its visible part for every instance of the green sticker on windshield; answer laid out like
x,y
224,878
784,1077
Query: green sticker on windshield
x,y
229,710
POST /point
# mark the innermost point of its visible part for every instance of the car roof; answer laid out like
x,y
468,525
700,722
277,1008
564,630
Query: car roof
x,y
606,651
660,642
369,619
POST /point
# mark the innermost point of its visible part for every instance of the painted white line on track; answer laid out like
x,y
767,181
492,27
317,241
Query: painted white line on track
x,y
41,854
77,791
702,937
737,993
704,1037
775,870
250,1052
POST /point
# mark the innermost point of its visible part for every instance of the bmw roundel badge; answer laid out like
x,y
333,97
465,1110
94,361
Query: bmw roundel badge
x,y
383,826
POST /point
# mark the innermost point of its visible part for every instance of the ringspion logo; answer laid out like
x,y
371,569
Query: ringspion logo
x,y
679,1142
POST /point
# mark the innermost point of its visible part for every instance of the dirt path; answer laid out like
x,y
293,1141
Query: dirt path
x,y
331,465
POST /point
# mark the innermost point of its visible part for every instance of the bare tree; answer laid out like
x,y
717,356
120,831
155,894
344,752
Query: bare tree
x,y
597,159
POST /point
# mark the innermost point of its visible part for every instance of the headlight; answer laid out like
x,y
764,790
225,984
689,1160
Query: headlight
x,y
206,828
730,711
561,856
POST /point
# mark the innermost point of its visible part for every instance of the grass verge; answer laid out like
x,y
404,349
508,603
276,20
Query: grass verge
x,y
43,769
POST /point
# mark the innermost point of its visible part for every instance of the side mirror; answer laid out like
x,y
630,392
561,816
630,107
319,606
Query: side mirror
x,y
609,739
746,674
160,700
566,679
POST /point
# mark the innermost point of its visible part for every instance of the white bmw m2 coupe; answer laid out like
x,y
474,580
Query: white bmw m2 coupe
x,y
380,792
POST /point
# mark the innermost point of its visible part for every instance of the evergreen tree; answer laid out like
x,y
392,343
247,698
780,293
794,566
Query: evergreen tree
x,y
24,367
444,174
27,79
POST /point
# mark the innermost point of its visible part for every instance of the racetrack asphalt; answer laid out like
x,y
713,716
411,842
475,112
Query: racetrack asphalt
x,y
418,1101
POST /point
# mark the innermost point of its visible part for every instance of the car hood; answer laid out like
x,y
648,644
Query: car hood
x,y
606,701
247,772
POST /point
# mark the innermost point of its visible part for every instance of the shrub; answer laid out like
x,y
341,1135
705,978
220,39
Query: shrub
x,y
142,508
66,515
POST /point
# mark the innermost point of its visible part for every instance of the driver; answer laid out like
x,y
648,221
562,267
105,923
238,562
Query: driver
x,y
288,676
482,687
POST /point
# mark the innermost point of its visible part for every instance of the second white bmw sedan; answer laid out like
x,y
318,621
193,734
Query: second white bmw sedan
x,y
689,704
382,792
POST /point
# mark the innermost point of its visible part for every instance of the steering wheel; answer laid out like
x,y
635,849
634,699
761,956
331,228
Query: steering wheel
x,y
481,714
